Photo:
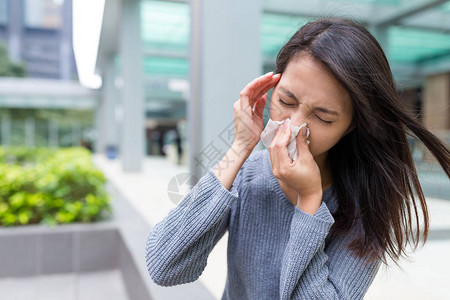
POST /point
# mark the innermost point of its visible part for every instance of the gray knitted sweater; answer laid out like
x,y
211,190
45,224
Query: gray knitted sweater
x,y
275,250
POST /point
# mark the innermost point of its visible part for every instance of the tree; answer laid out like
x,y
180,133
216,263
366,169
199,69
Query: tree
x,y
9,68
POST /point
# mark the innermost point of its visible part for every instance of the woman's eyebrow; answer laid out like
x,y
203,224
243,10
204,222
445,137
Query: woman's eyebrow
x,y
322,109
289,93
326,111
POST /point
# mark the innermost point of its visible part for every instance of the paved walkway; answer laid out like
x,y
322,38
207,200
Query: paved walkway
x,y
103,285
425,277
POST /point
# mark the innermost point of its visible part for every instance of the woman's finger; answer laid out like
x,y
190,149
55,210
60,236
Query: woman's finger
x,y
304,154
247,95
284,161
272,153
302,143
279,145
262,83
259,106
269,85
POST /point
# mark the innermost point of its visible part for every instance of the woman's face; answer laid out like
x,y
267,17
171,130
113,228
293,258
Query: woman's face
x,y
312,95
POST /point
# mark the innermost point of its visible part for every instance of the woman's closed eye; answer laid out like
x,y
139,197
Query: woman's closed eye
x,y
287,104
293,104
326,122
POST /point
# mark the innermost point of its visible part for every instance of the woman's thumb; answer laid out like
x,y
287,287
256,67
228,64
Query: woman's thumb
x,y
302,142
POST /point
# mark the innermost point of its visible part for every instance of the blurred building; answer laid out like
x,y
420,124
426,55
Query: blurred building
x,y
180,65
171,70
48,108
39,34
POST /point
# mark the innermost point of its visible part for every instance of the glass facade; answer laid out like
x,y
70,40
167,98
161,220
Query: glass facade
x,y
166,67
43,14
46,127
413,42
276,30
165,26
412,46
3,12
165,31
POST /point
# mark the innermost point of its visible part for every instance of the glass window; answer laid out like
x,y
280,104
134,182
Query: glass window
x,y
165,26
44,13
3,11
408,45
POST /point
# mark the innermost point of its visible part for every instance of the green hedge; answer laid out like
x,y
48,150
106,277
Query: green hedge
x,y
50,186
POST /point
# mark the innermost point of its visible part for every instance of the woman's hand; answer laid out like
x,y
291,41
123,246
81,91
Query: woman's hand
x,y
248,113
248,125
302,175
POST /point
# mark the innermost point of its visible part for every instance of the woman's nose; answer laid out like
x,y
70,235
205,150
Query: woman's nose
x,y
298,119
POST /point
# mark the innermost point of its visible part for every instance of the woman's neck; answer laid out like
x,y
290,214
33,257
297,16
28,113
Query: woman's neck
x,y
325,172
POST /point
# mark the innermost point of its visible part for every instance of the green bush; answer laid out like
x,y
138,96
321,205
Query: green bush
x,y
51,187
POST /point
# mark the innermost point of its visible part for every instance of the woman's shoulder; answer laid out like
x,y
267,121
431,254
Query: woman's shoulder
x,y
254,167
256,162
258,155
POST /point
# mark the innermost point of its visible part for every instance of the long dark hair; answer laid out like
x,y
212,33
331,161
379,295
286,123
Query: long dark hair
x,y
374,176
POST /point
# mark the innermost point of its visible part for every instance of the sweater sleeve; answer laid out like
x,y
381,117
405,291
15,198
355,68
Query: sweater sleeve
x,y
313,270
177,247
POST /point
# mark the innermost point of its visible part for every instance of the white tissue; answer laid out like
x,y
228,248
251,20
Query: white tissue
x,y
271,129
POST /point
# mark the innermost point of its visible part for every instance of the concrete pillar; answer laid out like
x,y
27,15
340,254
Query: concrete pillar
x,y
29,132
108,128
65,51
436,107
99,144
133,129
6,129
15,19
225,55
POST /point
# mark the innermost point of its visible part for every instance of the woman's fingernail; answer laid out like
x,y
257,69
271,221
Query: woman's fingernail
x,y
269,73
276,75
307,132
304,130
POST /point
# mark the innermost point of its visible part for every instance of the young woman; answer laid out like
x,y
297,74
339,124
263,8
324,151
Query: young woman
x,y
317,227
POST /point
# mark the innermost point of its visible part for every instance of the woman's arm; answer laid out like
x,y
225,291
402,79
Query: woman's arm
x,y
248,125
312,271
177,248
228,167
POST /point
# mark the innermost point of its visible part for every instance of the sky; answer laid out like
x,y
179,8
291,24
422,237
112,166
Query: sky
x,y
87,21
